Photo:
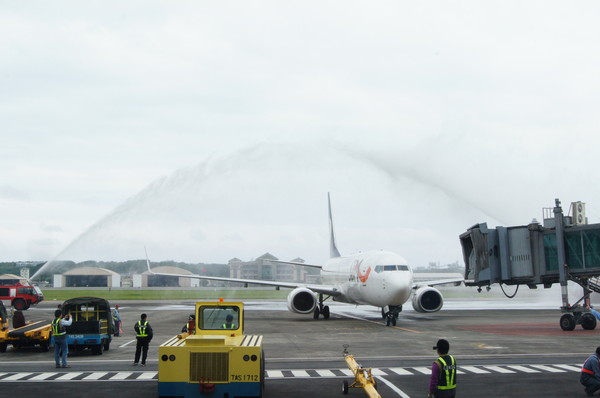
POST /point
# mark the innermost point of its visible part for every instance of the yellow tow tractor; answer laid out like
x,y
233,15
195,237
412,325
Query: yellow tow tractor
x,y
23,334
363,377
214,358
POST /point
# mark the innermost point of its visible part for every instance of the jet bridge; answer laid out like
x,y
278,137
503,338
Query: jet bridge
x,y
563,248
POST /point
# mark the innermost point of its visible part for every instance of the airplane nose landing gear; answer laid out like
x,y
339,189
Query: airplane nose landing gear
x,y
390,314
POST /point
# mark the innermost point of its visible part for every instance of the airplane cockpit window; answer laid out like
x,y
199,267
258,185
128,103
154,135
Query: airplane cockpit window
x,y
381,268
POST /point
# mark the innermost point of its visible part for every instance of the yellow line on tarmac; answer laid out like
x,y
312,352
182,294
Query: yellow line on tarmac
x,y
376,323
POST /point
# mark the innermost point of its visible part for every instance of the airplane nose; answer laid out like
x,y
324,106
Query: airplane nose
x,y
399,288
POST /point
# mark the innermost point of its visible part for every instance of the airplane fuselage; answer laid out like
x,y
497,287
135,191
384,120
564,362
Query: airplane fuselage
x,y
377,278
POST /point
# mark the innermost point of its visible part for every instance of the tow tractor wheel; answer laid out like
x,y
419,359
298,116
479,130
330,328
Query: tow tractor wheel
x,y
567,322
345,387
326,312
3,347
588,321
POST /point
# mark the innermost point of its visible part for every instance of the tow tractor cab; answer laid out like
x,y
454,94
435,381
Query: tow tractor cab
x,y
214,358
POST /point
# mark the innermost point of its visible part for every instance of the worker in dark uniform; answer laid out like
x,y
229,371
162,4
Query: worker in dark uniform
x,y
442,383
228,322
143,334
190,325
590,373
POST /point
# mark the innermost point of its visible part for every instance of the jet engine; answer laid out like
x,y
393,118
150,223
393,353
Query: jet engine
x,y
427,299
302,301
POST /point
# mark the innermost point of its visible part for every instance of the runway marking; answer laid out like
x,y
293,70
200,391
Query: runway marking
x,y
17,376
393,387
69,376
401,371
275,374
325,373
95,376
499,369
475,369
569,367
147,375
128,376
423,369
300,373
43,376
522,369
126,344
548,368
121,376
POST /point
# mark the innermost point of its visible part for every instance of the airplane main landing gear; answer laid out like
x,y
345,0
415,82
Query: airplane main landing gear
x,y
321,309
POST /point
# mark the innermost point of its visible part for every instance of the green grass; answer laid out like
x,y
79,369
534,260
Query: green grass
x,y
199,294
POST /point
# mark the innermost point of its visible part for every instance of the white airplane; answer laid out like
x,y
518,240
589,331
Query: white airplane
x,y
377,278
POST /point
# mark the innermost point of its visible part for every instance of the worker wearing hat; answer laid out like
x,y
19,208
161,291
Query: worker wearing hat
x,y
442,383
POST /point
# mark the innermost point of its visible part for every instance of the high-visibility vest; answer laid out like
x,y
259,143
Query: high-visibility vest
x,y
57,328
142,329
447,379
231,326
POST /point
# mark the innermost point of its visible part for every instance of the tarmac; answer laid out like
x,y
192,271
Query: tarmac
x,y
511,352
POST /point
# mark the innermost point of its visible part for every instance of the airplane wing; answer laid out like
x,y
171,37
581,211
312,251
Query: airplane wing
x,y
296,263
417,285
324,289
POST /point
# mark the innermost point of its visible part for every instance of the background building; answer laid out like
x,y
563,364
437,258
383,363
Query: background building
x,y
88,277
146,279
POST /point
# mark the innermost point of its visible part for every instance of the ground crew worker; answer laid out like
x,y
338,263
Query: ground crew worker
x,y
143,335
228,322
442,383
190,325
117,320
590,373
61,348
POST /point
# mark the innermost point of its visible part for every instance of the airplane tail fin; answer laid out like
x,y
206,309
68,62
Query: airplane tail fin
x,y
333,251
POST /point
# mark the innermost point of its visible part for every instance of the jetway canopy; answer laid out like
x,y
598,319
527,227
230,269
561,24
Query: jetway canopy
x,y
528,254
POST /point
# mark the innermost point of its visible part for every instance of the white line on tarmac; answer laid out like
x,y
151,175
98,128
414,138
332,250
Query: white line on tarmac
x,y
393,387
126,344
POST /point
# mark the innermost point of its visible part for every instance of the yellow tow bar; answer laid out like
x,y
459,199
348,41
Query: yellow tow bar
x,y
362,376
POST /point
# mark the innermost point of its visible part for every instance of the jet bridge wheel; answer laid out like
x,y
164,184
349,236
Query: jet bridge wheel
x,y
567,322
588,321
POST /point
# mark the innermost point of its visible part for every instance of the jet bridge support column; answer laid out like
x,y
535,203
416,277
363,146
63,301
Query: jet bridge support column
x,y
560,251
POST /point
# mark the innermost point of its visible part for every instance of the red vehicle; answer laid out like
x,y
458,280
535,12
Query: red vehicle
x,y
21,296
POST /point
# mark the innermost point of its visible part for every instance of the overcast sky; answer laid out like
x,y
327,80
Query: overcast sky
x,y
211,130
